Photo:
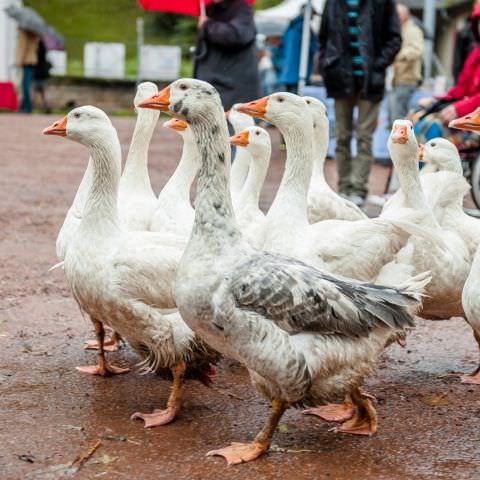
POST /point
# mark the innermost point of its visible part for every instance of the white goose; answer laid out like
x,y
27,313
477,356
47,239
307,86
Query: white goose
x,y
250,218
136,199
304,335
174,212
323,202
470,296
125,278
447,259
240,166
351,249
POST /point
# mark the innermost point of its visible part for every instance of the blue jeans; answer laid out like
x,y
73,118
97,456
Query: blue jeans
x,y
26,103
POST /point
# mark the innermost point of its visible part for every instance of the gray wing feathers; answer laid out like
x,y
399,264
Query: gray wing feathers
x,y
300,298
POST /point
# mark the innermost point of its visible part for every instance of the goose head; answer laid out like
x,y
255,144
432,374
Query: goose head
x,y
402,143
319,113
240,121
443,154
255,139
144,90
470,122
188,99
177,125
84,125
283,109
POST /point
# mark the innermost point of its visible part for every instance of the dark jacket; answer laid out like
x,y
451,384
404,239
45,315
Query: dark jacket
x,y
380,41
226,54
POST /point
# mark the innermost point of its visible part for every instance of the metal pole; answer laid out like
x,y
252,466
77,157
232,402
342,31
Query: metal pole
x,y
305,48
140,42
429,11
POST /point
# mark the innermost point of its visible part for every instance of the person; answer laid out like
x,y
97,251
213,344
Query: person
x,y
41,75
353,57
26,59
290,49
464,97
225,54
407,66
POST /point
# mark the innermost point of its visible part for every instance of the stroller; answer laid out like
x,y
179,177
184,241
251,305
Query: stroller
x,y
428,125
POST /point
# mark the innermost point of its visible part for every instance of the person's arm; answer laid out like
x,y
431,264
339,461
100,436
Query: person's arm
x,y
412,46
239,32
460,89
392,37
323,35
467,105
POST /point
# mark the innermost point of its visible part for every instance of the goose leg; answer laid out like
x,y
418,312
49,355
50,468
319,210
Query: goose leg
x,y
111,345
364,421
102,368
246,452
162,417
474,377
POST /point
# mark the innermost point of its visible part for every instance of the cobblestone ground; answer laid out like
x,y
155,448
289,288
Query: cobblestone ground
x,y
51,415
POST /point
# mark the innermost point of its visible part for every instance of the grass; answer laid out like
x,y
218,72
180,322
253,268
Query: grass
x,y
81,21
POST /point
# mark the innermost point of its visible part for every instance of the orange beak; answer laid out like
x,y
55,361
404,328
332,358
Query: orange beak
x,y
176,124
399,134
257,108
470,122
421,152
57,128
159,101
240,139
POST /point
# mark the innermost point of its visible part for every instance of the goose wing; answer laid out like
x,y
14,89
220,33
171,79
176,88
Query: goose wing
x,y
300,298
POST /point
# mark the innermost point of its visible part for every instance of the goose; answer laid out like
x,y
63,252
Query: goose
x,y
126,278
440,155
304,335
323,202
240,166
470,297
136,199
448,259
249,216
352,249
174,212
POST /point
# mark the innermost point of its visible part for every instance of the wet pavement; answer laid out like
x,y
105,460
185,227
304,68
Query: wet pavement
x,y
52,416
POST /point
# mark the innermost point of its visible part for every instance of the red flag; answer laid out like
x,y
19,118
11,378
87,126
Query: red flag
x,y
185,7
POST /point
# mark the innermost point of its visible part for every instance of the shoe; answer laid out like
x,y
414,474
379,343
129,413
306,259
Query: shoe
x,y
356,199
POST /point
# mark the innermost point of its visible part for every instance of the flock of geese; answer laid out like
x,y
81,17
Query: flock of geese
x,y
307,296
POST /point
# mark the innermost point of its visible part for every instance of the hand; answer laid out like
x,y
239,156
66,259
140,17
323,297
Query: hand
x,y
425,102
201,20
448,114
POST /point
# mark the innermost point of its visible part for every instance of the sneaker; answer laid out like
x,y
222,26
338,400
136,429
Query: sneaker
x,y
356,199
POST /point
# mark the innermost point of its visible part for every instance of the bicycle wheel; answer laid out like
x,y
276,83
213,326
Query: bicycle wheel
x,y
475,181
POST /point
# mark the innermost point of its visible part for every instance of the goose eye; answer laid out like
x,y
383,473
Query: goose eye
x,y
280,99
76,115
433,144
183,86
257,133
308,102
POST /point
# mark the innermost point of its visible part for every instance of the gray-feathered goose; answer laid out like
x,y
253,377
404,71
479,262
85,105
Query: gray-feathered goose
x,y
306,336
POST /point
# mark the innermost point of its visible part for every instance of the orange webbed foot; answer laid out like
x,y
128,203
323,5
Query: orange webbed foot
x,y
111,345
471,378
158,417
106,370
333,412
240,452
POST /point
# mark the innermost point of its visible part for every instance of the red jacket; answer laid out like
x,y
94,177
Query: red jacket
x,y
467,89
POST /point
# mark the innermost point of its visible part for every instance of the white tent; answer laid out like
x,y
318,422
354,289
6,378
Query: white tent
x,y
8,39
274,21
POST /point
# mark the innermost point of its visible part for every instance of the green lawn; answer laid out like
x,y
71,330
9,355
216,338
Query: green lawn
x,y
81,21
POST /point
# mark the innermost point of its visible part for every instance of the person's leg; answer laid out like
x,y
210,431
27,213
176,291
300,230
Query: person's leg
x,y
343,136
402,95
26,103
366,124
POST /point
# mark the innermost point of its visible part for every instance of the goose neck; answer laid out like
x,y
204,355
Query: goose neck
x,y
100,214
409,178
250,195
239,171
81,196
291,198
135,173
214,219
181,181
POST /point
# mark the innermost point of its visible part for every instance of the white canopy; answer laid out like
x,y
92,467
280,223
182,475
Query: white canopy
x,y
274,21
8,38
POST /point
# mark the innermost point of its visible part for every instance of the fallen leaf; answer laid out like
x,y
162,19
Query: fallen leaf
x,y
26,457
105,459
435,400
283,428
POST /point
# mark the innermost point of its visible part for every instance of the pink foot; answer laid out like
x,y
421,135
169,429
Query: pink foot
x,y
158,417
105,371
332,412
240,452
108,346
472,378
